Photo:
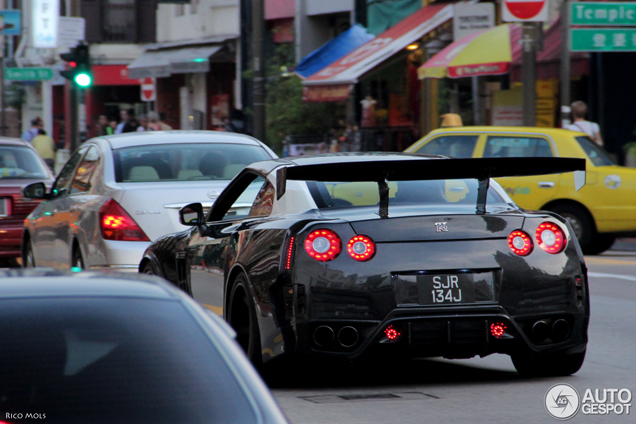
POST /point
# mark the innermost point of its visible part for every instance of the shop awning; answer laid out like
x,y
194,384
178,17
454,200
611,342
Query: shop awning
x,y
333,50
350,68
486,52
163,63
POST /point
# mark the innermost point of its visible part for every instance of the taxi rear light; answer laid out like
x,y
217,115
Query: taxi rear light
x,y
520,243
550,237
116,224
323,245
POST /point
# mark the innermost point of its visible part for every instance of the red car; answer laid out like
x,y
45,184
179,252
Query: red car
x,y
20,164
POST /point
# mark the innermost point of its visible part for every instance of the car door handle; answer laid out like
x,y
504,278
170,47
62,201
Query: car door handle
x,y
546,184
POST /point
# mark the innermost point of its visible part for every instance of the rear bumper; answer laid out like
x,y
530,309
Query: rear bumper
x,y
116,268
451,334
118,255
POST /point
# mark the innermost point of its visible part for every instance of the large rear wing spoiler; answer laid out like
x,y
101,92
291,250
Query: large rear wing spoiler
x,y
413,167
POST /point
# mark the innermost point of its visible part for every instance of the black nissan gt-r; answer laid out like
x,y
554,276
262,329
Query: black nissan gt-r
x,y
350,254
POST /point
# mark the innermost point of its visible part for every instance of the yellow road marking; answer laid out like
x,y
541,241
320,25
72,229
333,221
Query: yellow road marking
x,y
216,309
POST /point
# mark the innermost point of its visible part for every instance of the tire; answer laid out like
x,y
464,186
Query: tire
x,y
78,261
242,317
582,225
147,269
600,244
558,365
28,261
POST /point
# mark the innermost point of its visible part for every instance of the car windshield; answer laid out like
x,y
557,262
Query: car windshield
x,y
82,360
184,162
18,162
597,155
425,192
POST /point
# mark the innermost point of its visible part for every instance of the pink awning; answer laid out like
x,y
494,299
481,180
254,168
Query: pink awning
x,y
279,9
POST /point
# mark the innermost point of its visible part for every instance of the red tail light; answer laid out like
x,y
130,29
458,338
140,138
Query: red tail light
x,y
520,243
323,245
116,224
392,333
361,248
497,329
550,237
290,250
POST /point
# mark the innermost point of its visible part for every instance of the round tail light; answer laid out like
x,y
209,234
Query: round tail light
x,y
323,245
361,248
550,237
520,243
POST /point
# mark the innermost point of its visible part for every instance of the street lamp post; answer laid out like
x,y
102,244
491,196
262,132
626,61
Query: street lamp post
x,y
529,72
565,64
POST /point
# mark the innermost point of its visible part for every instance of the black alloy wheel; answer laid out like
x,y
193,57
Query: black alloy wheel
x,y
242,317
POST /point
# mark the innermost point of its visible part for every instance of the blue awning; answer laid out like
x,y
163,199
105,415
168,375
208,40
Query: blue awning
x,y
333,50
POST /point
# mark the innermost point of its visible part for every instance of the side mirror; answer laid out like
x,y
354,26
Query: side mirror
x,y
34,191
192,215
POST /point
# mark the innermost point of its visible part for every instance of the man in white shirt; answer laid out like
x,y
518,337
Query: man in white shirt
x,y
579,110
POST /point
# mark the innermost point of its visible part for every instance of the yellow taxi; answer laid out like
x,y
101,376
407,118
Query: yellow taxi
x,y
603,209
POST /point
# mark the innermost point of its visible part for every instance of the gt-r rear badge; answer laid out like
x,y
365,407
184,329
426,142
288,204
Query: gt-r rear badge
x,y
441,227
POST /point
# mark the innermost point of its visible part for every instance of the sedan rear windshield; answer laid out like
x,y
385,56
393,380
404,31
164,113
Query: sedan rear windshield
x,y
425,192
597,155
184,162
114,360
20,163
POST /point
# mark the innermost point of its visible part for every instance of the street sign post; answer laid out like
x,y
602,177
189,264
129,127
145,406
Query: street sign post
x,y
28,74
525,11
603,39
609,14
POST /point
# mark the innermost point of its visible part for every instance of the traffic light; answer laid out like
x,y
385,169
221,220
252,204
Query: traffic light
x,y
79,66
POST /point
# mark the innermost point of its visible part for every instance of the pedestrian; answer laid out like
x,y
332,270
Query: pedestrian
x,y
153,121
132,124
123,114
579,110
162,125
36,125
45,147
104,126
143,123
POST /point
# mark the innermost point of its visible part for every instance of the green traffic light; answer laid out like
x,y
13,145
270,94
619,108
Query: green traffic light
x,y
83,80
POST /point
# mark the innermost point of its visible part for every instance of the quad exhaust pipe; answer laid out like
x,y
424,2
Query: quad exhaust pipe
x,y
558,331
347,336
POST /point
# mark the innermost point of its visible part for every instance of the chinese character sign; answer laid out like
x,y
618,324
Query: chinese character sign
x,y
44,24
603,39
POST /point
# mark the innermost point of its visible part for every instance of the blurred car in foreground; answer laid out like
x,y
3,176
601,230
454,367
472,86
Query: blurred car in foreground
x,y
117,193
20,164
96,348
352,254
604,209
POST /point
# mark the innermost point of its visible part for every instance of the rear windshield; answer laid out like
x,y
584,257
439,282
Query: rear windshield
x,y
184,162
426,192
458,146
21,163
597,155
113,360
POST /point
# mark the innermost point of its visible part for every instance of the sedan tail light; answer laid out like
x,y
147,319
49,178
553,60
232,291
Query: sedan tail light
x,y
361,248
550,237
116,224
520,243
323,245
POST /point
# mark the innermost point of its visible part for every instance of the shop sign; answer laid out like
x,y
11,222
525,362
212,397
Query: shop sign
x,y
28,74
44,23
471,18
525,11
507,109
326,93
611,14
603,40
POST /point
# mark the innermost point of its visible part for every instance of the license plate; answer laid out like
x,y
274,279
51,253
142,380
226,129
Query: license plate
x,y
4,206
446,289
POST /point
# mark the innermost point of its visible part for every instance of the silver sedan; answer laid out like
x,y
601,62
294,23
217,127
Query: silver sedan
x,y
118,193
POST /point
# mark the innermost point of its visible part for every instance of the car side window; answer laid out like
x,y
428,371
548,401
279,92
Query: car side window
x,y
264,201
242,206
83,176
60,188
517,147
458,146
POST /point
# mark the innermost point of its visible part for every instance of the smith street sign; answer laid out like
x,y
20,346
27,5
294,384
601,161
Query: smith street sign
x,y
28,74
603,40
609,14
